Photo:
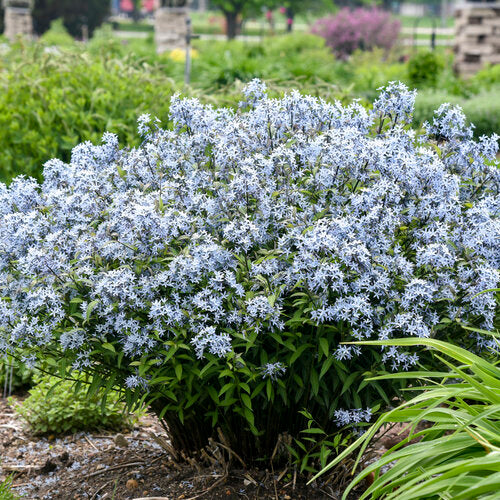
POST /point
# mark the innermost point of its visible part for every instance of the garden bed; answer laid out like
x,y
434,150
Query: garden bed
x,y
130,466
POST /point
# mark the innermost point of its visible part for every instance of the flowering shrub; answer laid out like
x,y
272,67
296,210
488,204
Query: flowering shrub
x,y
213,272
361,28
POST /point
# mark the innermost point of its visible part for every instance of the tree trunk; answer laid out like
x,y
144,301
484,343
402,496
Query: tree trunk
x,y
289,20
231,24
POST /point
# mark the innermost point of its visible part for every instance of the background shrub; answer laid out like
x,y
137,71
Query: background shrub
x,y
483,110
50,102
487,78
425,68
57,35
361,28
54,407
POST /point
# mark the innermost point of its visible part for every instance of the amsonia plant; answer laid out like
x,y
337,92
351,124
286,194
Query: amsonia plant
x,y
213,272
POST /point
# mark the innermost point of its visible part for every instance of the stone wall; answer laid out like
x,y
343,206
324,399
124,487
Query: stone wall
x,y
477,36
170,28
17,18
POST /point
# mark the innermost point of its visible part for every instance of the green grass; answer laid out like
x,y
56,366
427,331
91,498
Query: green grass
x,y
5,492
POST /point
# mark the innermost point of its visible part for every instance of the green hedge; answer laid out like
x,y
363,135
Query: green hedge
x,y
51,101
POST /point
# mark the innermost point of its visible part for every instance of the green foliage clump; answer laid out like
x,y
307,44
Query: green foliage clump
x,y
369,70
483,110
458,456
57,407
52,101
487,78
425,69
57,35
280,59
14,375
5,491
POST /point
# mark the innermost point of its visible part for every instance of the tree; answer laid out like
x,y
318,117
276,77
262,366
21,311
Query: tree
x,y
315,7
235,10
74,14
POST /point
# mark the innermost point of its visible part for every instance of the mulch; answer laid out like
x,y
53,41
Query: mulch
x,y
134,466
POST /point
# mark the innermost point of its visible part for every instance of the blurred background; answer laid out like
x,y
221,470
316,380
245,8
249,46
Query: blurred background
x,y
71,70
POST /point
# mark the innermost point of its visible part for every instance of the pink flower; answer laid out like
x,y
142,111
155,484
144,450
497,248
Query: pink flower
x,y
283,10
126,5
358,29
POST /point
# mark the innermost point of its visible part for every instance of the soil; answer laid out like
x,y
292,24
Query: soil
x,y
134,466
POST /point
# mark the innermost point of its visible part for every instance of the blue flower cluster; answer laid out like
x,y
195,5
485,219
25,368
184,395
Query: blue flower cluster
x,y
213,226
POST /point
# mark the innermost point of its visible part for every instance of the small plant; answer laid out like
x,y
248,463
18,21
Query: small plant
x,y
364,29
458,456
57,35
5,490
425,68
56,407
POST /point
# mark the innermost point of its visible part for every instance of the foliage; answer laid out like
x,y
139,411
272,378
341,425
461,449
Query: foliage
x,y
286,58
55,407
425,68
214,271
361,28
14,375
487,78
53,88
5,491
458,456
51,101
368,71
484,111
74,14
57,35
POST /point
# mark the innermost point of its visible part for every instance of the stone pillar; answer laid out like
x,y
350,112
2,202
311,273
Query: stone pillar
x,y
170,28
477,36
17,18
171,25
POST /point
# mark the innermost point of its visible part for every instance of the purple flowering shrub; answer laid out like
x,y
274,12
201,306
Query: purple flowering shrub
x,y
213,272
361,28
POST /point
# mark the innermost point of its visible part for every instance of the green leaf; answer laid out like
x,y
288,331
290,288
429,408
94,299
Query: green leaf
x,y
108,347
245,398
314,381
298,353
92,305
178,372
324,347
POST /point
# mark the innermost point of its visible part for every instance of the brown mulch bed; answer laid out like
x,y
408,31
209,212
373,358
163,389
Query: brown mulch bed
x,y
98,466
